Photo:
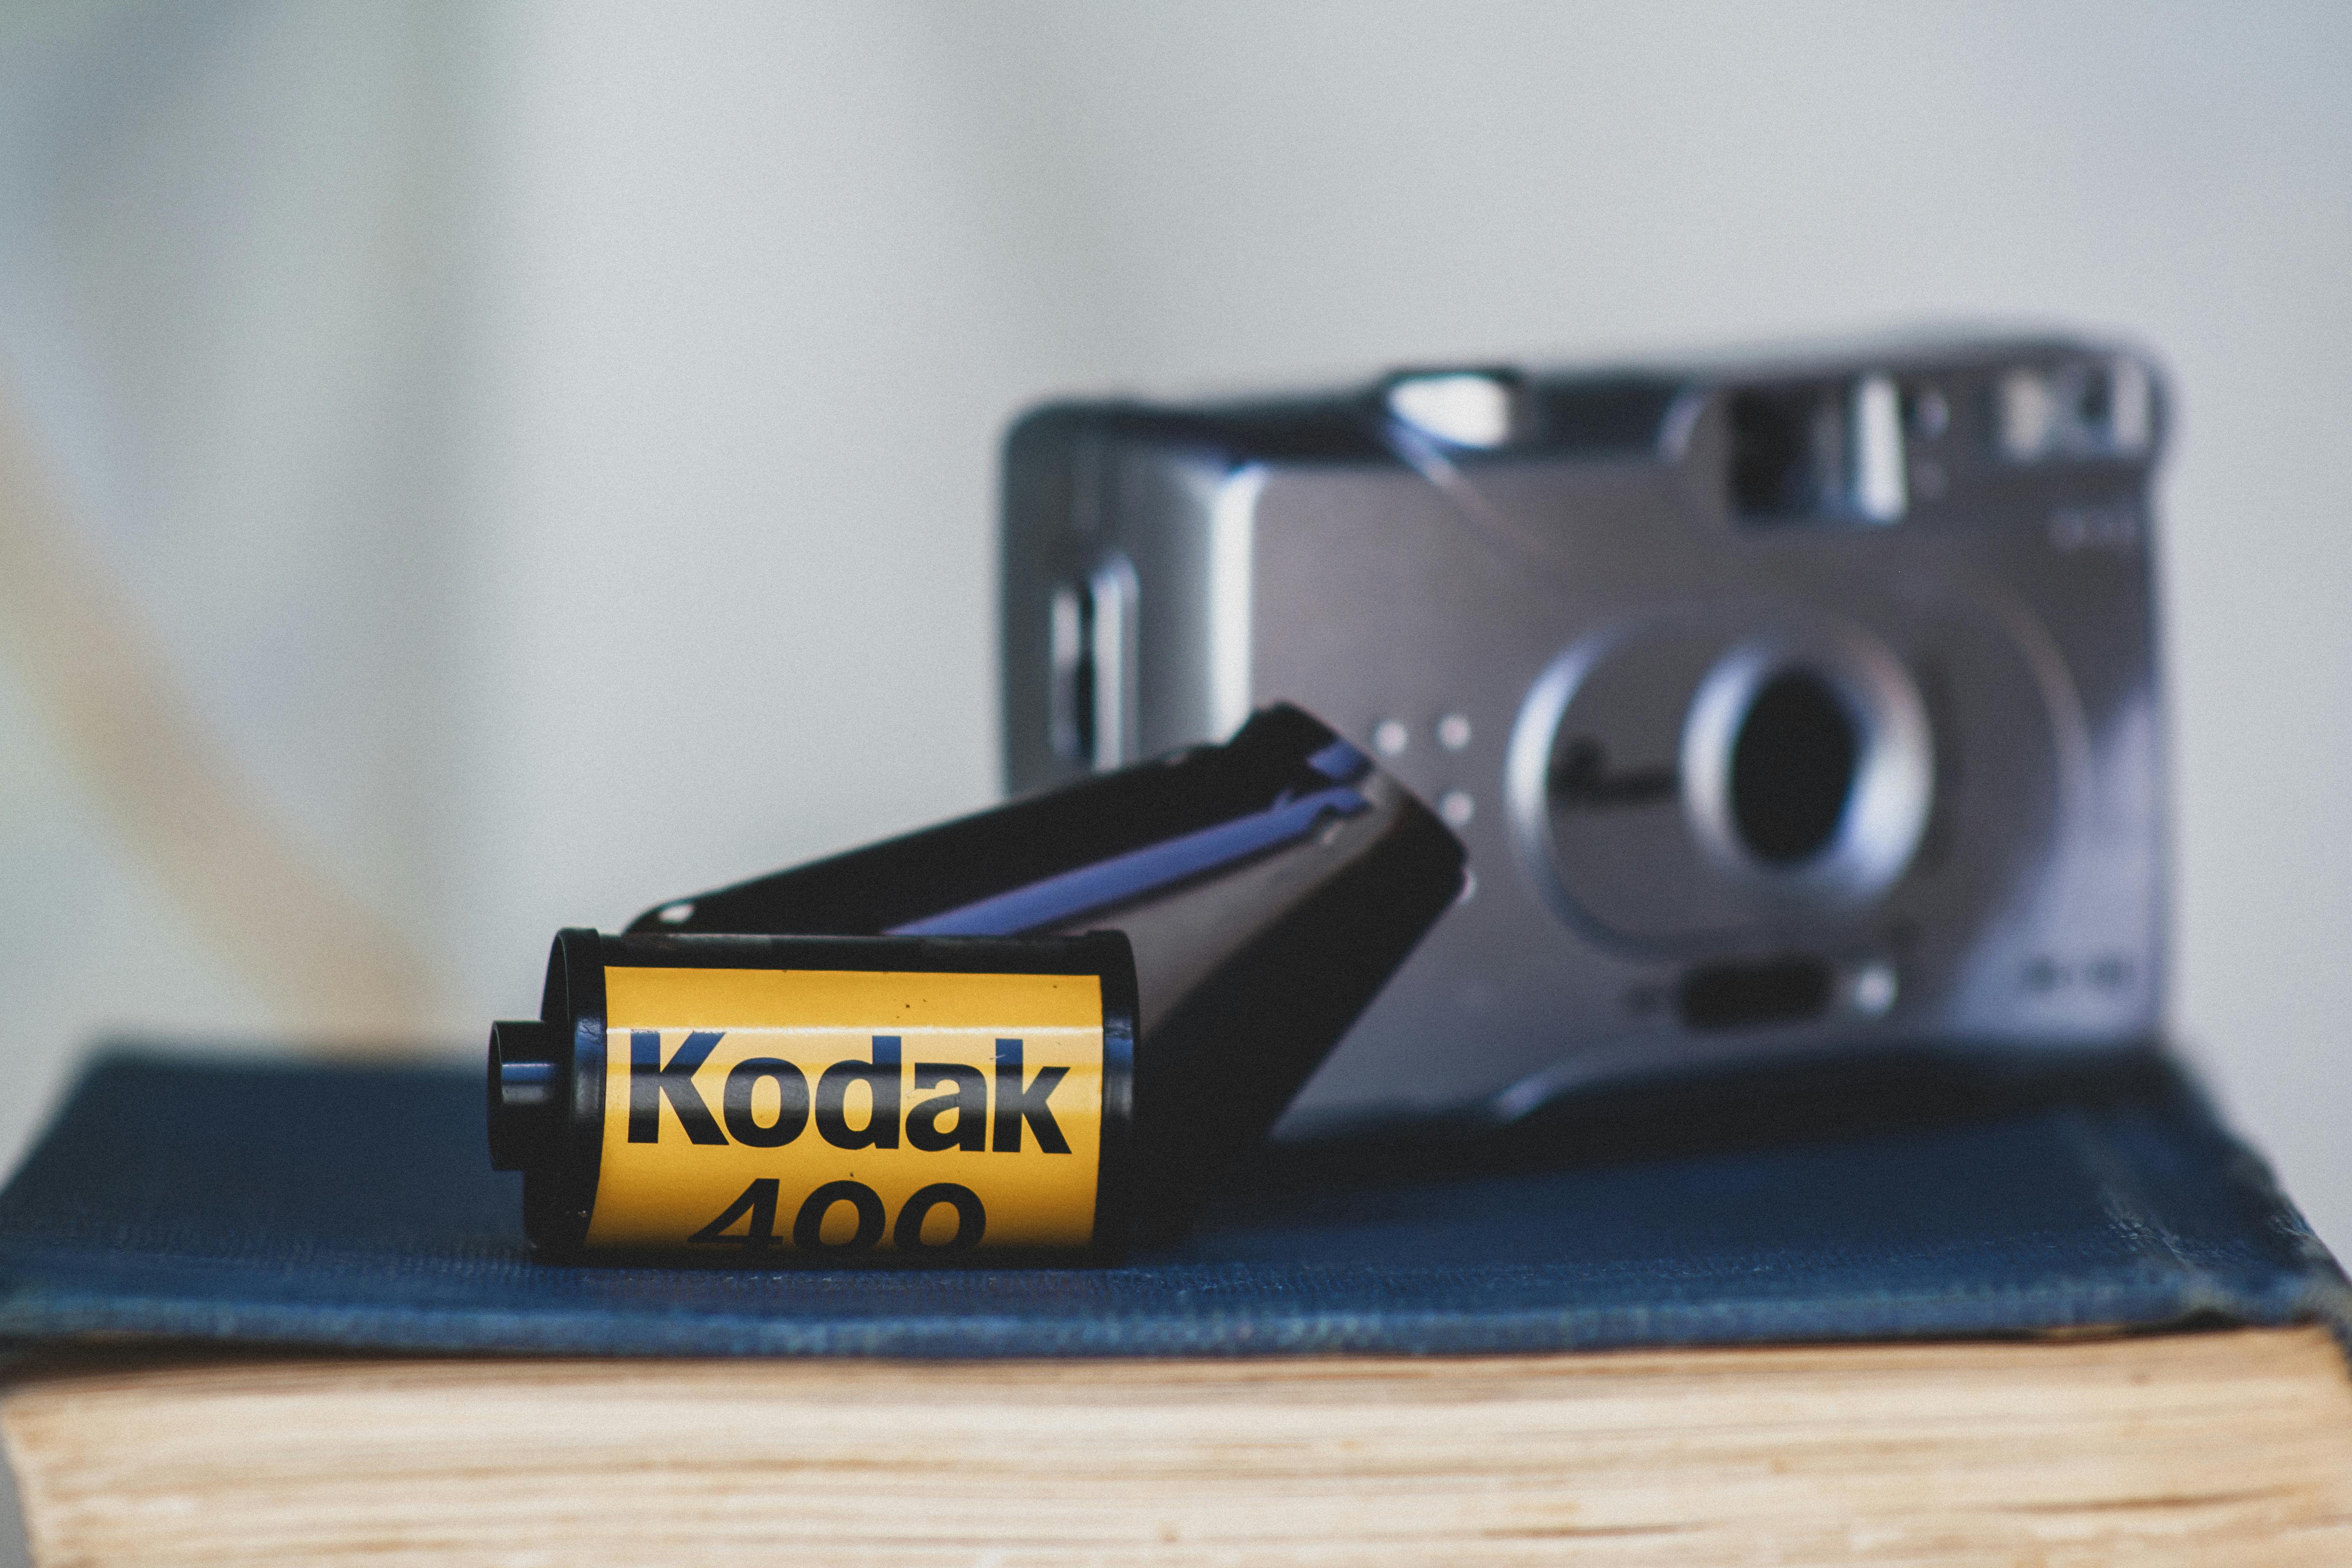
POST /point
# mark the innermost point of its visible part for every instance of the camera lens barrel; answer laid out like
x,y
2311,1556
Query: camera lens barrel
x,y
1808,765
759,1098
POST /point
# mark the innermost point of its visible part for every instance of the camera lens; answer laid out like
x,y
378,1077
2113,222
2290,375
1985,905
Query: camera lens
x,y
1792,768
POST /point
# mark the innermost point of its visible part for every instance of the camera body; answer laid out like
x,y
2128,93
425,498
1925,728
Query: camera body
x,y
1785,706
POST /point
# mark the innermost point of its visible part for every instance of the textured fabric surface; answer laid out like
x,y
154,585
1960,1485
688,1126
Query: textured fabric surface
x,y
272,1202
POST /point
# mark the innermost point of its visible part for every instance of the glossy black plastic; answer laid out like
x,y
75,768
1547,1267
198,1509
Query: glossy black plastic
x,y
1270,887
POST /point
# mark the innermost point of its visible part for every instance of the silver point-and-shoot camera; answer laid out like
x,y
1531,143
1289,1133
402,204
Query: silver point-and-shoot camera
x,y
1784,706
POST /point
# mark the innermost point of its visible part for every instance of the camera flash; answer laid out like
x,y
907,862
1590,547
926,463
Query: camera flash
x,y
1459,407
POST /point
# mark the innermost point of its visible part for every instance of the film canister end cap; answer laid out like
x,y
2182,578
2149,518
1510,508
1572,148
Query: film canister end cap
x,y
526,1113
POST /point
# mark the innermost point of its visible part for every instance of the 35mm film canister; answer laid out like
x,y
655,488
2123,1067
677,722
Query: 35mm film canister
x,y
759,1098
1270,885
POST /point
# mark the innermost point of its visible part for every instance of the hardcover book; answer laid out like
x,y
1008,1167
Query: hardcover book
x,y
1904,1311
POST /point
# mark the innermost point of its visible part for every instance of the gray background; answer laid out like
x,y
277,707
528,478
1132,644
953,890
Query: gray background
x,y
542,453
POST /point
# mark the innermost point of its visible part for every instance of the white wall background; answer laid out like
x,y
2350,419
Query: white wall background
x,y
548,447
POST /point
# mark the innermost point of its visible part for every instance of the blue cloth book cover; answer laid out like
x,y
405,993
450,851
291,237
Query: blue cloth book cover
x,y
277,1201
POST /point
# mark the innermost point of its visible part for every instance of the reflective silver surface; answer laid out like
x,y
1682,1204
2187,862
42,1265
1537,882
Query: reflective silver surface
x,y
1826,685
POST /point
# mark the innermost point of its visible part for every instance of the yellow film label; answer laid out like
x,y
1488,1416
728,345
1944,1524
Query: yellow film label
x,y
839,1111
